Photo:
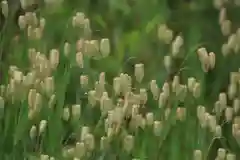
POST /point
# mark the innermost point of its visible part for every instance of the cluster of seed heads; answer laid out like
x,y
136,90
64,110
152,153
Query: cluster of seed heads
x,y
38,88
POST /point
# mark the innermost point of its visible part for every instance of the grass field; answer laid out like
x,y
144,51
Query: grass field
x,y
120,80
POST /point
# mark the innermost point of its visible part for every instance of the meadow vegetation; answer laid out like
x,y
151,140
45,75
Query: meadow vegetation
x,y
120,80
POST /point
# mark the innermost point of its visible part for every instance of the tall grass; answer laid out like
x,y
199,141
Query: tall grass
x,y
121,80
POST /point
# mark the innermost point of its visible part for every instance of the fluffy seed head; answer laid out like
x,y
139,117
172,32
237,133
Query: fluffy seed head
x,y
42,126
223,100
197,90
157,128
149,118
176,45
66,49
79,59
139,72
84,132
44,157
117,85
225,50
181,113
221,154
175,83
162,100
143,95
76,111
236,105
42,23
222,14
49,85
212,60
92,98
191,83
154,89
54,58
228,114
197,155
22,22
33,132
226,27
165,35
166,89
105,47
4,7
168,63
218,131
66,114
84,81
232,90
